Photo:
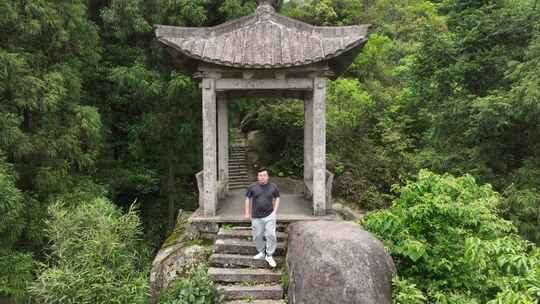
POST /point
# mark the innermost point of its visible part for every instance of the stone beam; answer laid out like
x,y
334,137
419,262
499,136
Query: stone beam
x,y
264,84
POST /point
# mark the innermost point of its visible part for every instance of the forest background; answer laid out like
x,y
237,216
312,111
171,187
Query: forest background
x,y
100,139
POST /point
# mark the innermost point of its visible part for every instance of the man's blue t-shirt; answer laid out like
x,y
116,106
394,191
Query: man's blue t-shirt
x,y
262,196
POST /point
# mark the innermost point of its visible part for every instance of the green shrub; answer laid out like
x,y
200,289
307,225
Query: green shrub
x,y
282,124
522,200
15,273
96,256
405,292
446,236
12,221
196,288
522,207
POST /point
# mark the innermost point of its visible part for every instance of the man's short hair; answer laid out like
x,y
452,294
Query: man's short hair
x,y
262,169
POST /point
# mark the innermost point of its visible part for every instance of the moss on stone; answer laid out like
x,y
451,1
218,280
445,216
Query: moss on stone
x,y
181,231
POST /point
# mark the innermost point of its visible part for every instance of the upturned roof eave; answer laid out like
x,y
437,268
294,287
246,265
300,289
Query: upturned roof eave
x,y
166,34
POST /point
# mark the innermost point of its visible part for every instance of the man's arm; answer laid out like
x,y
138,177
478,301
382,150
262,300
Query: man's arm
x,y
275,204
275,201
247,208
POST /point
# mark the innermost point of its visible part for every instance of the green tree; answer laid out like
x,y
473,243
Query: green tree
x,y
15,266
96,256
195,287
446,236
47,131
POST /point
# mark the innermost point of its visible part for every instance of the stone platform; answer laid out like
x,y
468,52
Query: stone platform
x,y
292,207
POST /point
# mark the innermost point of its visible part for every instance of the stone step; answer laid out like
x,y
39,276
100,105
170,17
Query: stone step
x,y
239,261
245,234
244,247
242,173
236,174
234,161
237,152
257,302
257,292
280,226
237,162
238,166
238,169
244,182
239,275
238,186
239,179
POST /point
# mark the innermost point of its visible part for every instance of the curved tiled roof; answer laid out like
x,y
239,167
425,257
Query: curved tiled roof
x,y
264,39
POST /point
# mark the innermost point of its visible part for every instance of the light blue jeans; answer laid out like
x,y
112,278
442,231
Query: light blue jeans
x,y
265,228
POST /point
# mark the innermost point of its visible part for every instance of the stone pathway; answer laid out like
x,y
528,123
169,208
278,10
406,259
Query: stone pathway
x,y
242,278
238,164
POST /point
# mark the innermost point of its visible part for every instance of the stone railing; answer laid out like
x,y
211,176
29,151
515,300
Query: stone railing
x,y
200,185
329,183
308,189
222,186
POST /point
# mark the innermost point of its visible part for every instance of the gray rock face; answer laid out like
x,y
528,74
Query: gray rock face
x,y
172,262
175,258
337,262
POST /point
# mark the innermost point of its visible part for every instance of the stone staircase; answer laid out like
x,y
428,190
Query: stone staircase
x,y
238,164
242,278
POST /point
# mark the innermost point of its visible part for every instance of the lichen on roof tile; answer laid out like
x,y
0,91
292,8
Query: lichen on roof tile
x,y
264,39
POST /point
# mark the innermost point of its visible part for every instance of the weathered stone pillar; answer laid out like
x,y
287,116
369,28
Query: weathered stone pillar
x,y
209,146
319,146
308,138
223,139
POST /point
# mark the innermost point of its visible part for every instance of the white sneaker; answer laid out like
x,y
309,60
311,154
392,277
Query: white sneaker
x,y
259,256
270,261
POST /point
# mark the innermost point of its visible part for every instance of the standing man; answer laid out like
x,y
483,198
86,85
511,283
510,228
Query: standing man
x,y
262,202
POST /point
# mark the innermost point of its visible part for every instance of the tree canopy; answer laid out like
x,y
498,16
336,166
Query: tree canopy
x,y
95,118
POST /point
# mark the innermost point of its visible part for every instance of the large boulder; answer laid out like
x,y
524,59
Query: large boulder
x,y
176,258
257,147
337,262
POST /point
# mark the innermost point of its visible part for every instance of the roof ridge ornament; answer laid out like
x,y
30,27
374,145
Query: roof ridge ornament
x,y
266,7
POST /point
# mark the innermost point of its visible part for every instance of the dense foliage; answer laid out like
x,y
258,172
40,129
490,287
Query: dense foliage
x,y
194,288
93,113
93,244
450,245
451,86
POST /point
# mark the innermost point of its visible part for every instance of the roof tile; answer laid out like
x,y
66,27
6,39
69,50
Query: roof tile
x,y
263,40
